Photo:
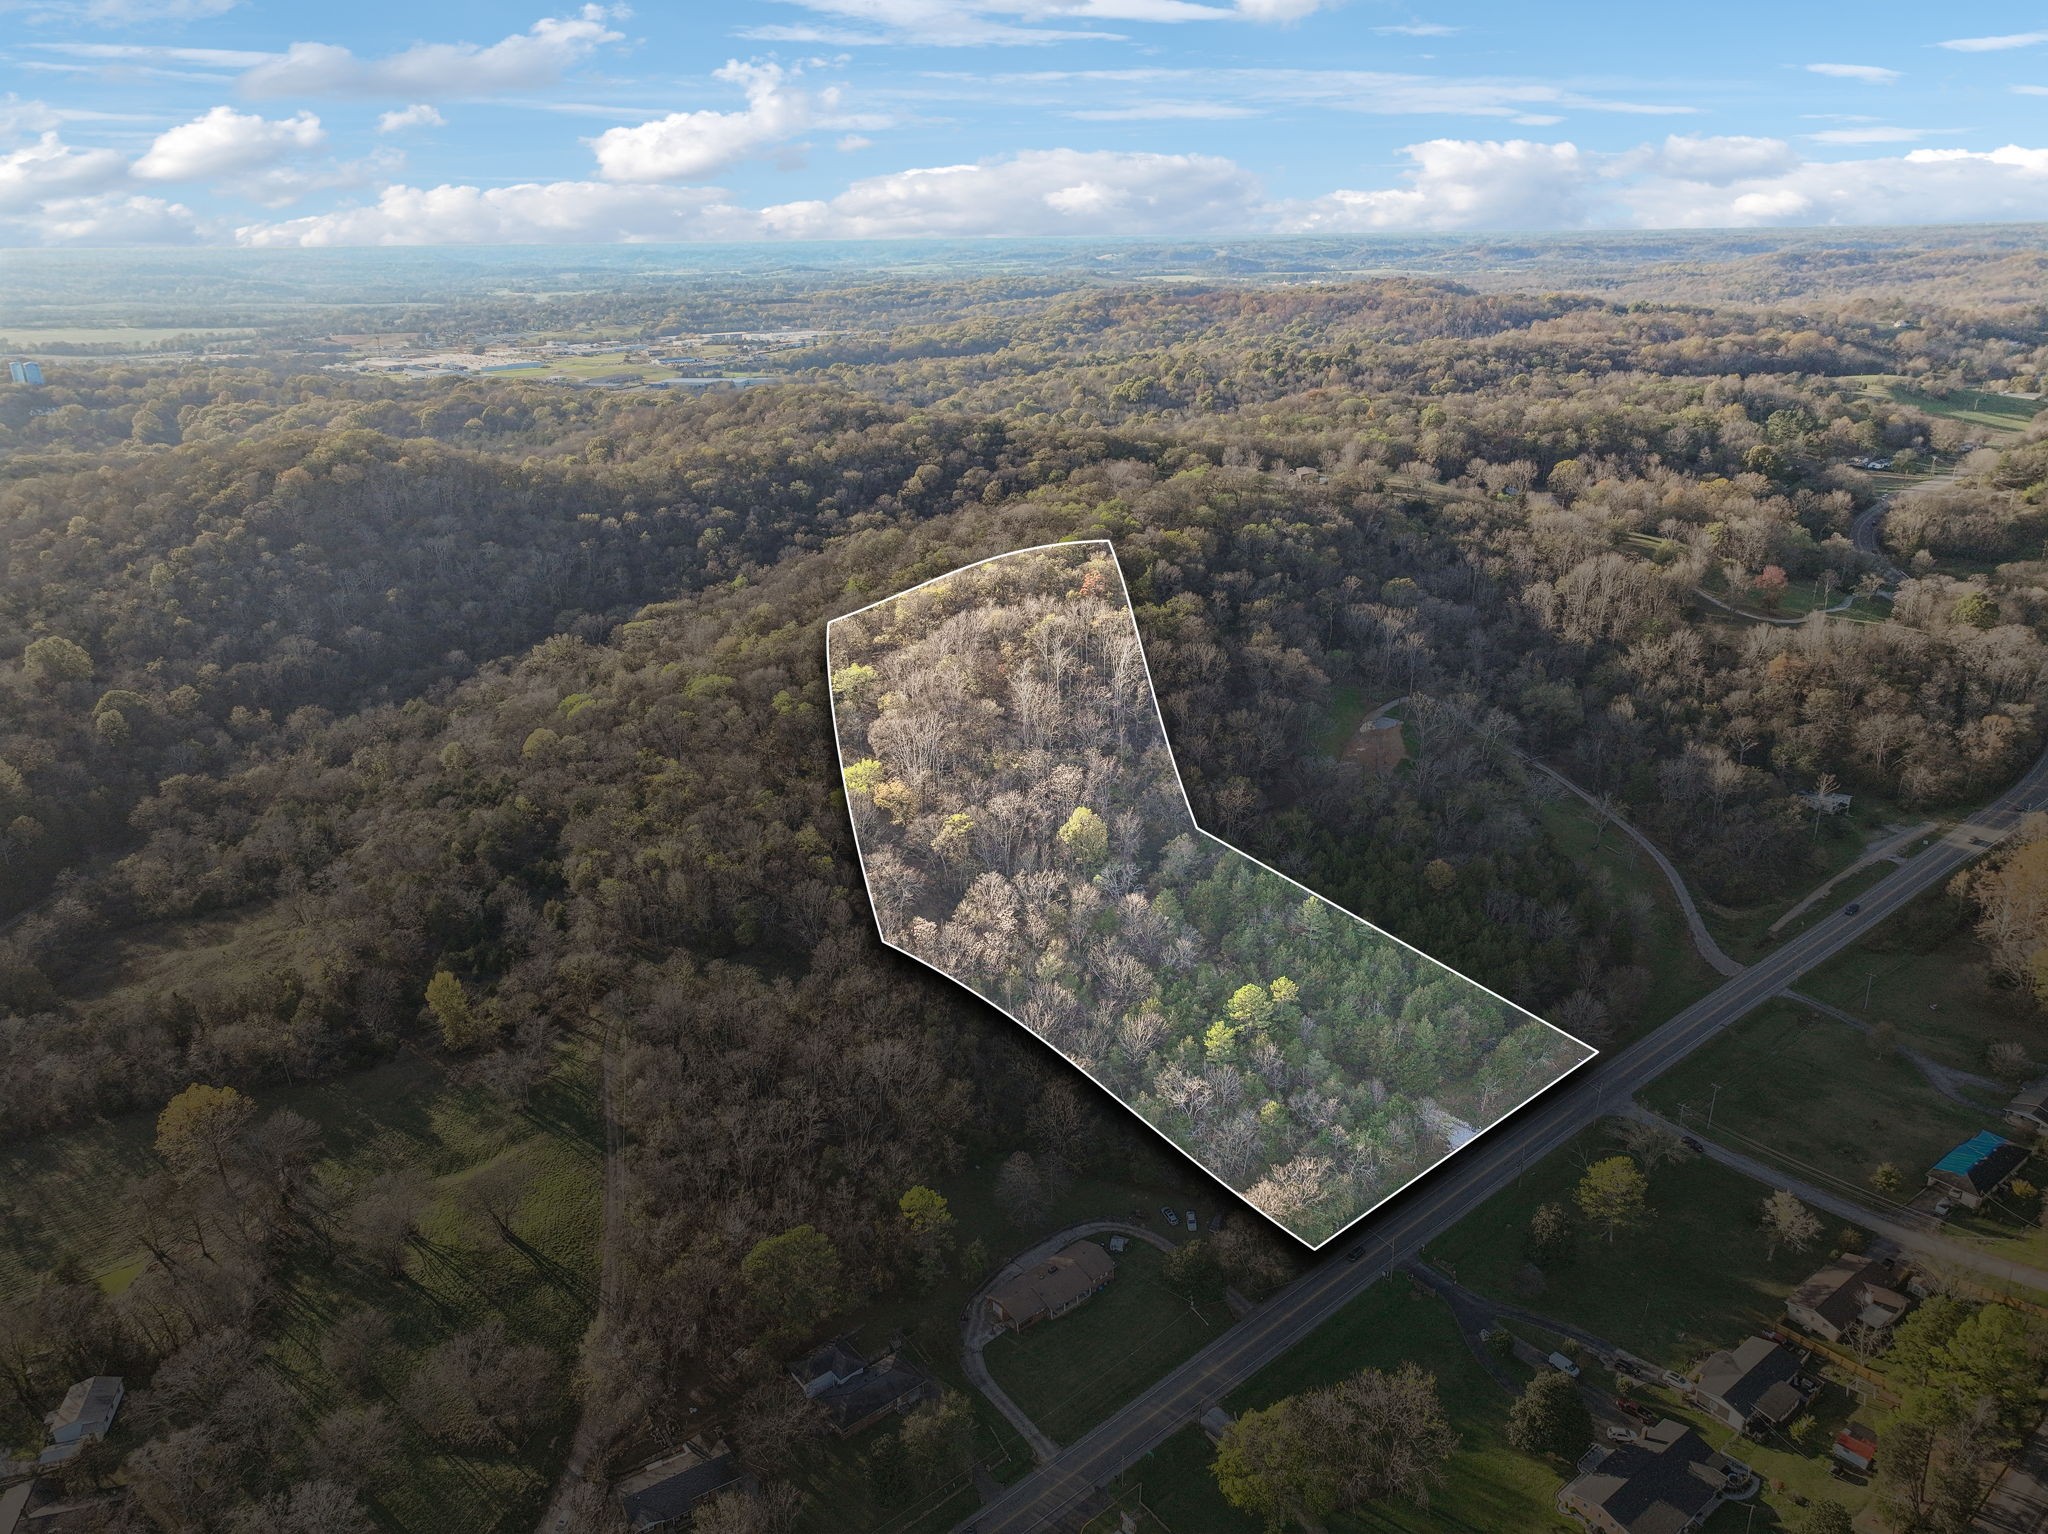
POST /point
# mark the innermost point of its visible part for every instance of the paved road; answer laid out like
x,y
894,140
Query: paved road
x,y
1702,939
1052,1496
1866,529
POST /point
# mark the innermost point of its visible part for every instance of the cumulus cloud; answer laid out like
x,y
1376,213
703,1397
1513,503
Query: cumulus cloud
x,y
560,212
1685,182
535,57
1996,44
418,115
50,168
111,218
1037,192
1465,184
684,145
1927,186
224,142
1869,74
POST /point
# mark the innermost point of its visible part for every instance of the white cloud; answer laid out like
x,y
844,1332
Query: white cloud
x,y
1163,111
686,145
49,168
157,53
1869,74
1036,192
1924,186
1685,182
112,218
1009,23
561,212
1379,92
1710,159
535,57
2030,90
1876,133
1418,29
1465,184
418,115
1996,44
224,142
853,143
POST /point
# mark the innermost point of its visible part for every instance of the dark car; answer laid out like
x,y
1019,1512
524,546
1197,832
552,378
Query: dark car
x,y
1852,908
1693,1145
1355,1253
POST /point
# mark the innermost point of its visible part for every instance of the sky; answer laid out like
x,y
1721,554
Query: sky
x,y
265,123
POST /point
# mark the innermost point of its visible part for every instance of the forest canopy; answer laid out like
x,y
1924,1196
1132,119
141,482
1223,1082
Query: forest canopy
x,y
1024,831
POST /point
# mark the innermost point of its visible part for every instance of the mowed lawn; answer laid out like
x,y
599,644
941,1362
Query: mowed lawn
x,y
1924,972
1822,1099
1693,1277
1069,1373
1489,1487
64,1195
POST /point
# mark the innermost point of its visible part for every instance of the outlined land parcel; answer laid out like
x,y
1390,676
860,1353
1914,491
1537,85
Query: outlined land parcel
x,y
1023,829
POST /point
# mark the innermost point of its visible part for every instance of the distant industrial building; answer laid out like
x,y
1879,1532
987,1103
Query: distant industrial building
x,y
30,373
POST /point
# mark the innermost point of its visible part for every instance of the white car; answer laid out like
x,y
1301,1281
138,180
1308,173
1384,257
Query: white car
x,y
1621,1435
1194,1220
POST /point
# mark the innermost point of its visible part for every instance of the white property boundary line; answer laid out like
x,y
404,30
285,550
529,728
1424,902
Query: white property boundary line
x,y
1131,617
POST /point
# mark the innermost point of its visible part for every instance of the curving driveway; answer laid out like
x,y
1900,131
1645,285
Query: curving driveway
x,y
978,1328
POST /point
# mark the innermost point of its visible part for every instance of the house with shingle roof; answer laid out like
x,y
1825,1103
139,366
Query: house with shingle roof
x,y
1755,1387
1668,1481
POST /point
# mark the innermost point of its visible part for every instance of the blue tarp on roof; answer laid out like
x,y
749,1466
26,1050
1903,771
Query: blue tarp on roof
x,y
1969,1153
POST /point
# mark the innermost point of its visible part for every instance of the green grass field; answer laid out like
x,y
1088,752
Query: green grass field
x,y
1068,1374
1977,407
1692,1278
63,1195
1489,1488
1875,1106
1924,972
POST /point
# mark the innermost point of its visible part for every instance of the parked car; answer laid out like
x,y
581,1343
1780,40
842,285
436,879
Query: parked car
x,y
1563,1365
1172,1215
1691,1143
1632,1408
1216,1220
1621,1435
1194,1220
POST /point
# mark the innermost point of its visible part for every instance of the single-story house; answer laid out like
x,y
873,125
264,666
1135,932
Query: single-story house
x,y
1053,1287
1668,1481
1754,1387
832,1365
2029,1110
887,1385
1847,1294
86,1414
664,1494
1824,804
1977,1168
1856,1447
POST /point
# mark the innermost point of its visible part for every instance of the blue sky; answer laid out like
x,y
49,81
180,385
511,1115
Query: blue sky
x,y
261,123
